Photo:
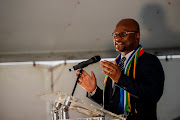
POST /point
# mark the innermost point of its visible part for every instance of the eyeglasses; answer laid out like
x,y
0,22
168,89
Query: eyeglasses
x,y
122,34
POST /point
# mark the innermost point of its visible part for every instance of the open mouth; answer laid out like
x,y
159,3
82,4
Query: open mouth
x,y
119,43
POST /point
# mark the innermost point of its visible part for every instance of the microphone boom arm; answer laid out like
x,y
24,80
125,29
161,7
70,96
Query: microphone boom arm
x,y
80,72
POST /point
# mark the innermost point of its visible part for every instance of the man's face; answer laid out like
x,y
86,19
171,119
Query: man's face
x,y
127,43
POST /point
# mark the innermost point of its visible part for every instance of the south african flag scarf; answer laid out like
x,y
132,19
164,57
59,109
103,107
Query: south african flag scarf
x,y
124,104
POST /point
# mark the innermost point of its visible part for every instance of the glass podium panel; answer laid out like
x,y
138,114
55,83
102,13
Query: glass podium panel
x,y
93,112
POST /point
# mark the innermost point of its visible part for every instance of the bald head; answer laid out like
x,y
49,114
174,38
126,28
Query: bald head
x,y
129,41
131,24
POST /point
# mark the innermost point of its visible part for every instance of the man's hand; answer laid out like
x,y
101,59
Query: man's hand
x,y
112,70
86,81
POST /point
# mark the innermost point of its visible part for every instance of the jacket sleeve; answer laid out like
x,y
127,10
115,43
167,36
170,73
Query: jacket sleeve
x,y
147,87
97,97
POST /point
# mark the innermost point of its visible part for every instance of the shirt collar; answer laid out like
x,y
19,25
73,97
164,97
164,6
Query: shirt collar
x,y
127,55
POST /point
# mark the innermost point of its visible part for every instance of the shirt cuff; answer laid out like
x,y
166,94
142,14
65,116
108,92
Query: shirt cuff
x,y
91,94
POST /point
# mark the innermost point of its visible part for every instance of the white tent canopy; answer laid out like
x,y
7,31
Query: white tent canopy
x,y
61,29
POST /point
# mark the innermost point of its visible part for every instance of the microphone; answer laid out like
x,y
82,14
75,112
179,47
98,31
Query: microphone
x,y
86,63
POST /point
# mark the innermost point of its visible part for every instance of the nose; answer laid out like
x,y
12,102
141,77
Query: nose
x,y
118,38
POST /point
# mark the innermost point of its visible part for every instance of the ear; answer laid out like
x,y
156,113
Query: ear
x,y
137,35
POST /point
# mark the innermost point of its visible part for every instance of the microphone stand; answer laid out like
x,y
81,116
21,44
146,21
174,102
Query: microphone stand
x,y
64,108
80,72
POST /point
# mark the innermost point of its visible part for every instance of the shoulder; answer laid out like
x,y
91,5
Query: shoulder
x,y
148,61
148,58
149,65
147,55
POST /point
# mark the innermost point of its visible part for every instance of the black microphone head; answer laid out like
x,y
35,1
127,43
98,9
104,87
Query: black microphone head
x,y
83,64
96,58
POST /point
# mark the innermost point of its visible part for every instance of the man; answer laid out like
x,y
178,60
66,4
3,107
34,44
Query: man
x,y
134,81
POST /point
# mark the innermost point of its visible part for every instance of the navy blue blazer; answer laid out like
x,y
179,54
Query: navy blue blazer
x,y
145,90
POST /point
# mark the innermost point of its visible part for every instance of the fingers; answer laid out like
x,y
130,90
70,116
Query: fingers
x,y
86,81
92,74
107,73
114,62
109,66
107,63
111,69
80,82
83,76
83,72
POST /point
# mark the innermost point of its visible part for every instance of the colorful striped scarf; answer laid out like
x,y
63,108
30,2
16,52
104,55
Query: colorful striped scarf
x,y
124,104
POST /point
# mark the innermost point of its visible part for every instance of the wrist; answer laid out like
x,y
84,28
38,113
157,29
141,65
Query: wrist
x,y
94,91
